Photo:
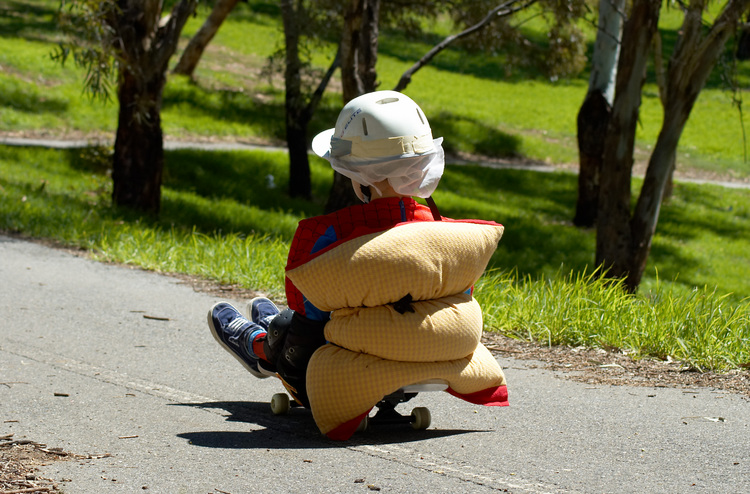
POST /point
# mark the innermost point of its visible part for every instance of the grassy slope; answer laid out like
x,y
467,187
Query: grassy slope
x,y
490,108
223,219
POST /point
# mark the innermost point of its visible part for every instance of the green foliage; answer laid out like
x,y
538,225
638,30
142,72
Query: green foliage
x,y
90,39
493,107
555,46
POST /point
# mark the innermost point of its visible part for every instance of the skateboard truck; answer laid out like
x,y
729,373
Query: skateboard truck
x,y
419,419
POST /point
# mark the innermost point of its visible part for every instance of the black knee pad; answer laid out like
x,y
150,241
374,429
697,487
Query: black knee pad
x,y
276,336
302,338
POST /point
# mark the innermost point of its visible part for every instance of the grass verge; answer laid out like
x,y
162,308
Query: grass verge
x,y
226,218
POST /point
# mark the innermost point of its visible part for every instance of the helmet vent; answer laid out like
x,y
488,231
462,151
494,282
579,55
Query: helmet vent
x,y
364,125
385,101
420,116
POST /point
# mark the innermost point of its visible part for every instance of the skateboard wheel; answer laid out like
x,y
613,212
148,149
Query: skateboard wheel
x,y
421,418
362,427
280,404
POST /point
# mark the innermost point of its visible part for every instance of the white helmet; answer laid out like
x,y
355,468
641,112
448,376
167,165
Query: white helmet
x,y
384,135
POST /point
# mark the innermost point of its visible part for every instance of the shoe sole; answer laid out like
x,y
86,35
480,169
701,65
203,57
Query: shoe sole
x,y
228,349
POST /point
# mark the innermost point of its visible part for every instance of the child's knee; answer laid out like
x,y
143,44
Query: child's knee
x,y
277,332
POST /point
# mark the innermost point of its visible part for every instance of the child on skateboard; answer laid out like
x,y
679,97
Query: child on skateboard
x,y
382,142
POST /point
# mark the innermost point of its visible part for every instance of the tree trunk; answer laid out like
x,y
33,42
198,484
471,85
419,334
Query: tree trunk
x,y
194,50
669,187
646,214
593,117
661,80
139,148
341,195
296,120
367,56
695,55
358,50
743,43
299,161
613,238
146,42
351,84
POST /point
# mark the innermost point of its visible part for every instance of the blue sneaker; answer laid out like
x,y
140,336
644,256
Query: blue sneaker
x,y
236,334
262,311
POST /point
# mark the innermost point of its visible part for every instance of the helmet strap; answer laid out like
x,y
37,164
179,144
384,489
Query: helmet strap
x,y
434,209
365,193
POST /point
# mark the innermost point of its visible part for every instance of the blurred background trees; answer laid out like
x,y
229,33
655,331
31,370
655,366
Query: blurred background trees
x,y
129,43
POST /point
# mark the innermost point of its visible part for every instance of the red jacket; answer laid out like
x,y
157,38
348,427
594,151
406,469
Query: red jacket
x,y
318,232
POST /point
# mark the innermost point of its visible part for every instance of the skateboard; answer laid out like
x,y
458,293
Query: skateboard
x,y
386,413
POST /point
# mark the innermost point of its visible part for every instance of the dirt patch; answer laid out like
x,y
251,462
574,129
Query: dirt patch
x,y
597,366
21,459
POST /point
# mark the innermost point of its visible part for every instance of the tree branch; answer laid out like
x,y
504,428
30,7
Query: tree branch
x,y
168,34
502,10
318,94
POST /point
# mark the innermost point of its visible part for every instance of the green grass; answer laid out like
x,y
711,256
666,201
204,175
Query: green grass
x,y
223,219
491,109
699,328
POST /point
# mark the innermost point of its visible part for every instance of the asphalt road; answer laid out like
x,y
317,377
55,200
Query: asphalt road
x,y
100,359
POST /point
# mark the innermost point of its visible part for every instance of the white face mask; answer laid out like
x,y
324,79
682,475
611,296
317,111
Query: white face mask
x,y
409,175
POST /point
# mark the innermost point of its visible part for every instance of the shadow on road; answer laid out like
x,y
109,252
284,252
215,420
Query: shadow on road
x,y
295,430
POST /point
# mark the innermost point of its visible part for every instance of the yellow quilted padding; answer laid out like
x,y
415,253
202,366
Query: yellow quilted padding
x,y
444,329
400,315
342,384
427,260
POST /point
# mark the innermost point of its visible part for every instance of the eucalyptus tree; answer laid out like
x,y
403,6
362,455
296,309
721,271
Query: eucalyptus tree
x,y
132,40
623,239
